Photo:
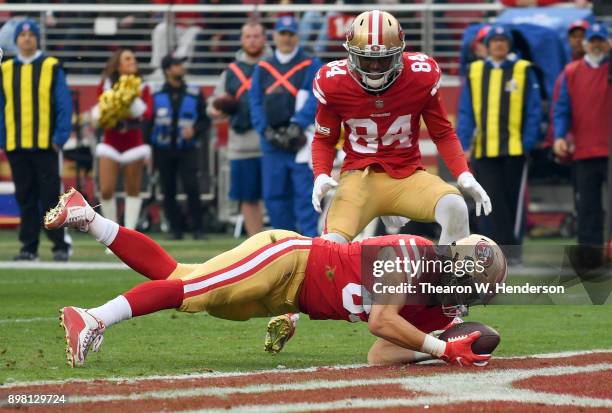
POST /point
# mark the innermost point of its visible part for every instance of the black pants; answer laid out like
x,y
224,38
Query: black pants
x,y
37,188
590,175
504,179
173,164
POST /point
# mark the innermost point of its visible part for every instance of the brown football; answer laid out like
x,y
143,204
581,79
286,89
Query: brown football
x,y
485,344
226,104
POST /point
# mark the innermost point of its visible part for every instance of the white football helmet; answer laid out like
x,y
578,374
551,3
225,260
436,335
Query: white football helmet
x,y
375,42
490,268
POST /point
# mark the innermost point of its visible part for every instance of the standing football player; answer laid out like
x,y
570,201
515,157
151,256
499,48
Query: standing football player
x,y
379,95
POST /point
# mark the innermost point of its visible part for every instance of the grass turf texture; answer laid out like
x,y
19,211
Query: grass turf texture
x,y
175,343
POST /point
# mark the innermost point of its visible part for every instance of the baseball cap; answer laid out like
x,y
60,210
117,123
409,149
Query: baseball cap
x,y
170,60
286,24
498,31
578,24
597,30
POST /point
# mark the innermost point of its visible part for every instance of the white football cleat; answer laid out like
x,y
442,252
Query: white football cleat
x,y
280,330
83,331
71,211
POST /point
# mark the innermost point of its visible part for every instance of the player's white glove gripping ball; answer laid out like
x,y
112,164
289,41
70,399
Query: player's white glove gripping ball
x,y
469,184
322,185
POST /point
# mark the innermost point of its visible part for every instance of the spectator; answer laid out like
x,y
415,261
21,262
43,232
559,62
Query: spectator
x,y
282,108
584,108
500,102
184,33
179,124
575,36
124,105
35,122
244,151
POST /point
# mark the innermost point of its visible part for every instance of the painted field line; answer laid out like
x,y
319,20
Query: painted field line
x,y
93,265
267,372
499,381
452,389
27,320
61,266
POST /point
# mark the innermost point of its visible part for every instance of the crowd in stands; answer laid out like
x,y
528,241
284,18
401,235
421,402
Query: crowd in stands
x,y
208,40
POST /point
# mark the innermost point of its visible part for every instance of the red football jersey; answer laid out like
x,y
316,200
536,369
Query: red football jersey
x,y
383,128
333,284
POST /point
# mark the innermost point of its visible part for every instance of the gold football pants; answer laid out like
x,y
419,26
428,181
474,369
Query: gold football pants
x,y
363,195
259,278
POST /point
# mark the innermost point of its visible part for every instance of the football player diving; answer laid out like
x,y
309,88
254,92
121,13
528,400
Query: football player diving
x,y
379,95
271,273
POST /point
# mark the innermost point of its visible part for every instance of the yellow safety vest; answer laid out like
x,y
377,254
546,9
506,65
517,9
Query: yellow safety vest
x,y
27,90
498,100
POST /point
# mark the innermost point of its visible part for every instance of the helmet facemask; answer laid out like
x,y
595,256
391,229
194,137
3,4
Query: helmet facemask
x,y
375,71
375,43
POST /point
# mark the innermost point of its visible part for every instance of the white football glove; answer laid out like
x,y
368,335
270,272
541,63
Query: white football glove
x,y
394,222
322,185
469,184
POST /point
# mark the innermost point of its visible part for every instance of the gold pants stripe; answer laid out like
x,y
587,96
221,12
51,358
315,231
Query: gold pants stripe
x,y
258,278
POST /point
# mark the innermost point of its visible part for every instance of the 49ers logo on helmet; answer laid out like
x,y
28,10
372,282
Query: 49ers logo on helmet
x,y
351,33
484,253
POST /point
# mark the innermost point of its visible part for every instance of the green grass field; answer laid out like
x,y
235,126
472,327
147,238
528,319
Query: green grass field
x,y
32,344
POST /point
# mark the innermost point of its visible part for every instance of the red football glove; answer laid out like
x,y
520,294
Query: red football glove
x,y
460,352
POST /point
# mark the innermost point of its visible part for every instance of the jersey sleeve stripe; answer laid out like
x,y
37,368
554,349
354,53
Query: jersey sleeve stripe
x,y
319,93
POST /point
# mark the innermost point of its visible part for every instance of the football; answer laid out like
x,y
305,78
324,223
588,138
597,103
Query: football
x,y
226,104
485,344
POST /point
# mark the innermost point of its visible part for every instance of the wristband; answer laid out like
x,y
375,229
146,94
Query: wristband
x,y
433,346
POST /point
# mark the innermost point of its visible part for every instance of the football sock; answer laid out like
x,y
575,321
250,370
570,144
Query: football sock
x,y
452,214
109,208
132,211
142,254
114,311
103,229
153,296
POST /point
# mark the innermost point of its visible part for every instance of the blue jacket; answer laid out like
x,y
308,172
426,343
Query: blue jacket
x,y
168,121
61,108
532,112
263,107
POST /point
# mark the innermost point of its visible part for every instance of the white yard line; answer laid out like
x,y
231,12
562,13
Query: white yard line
x,y
27,320
61,266
267,372
93,265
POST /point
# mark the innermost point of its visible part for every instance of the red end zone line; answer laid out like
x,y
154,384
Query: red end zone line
x,y
435,385
457,386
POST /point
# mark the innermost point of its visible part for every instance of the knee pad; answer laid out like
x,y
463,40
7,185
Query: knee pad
x,y
452,214
451,207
